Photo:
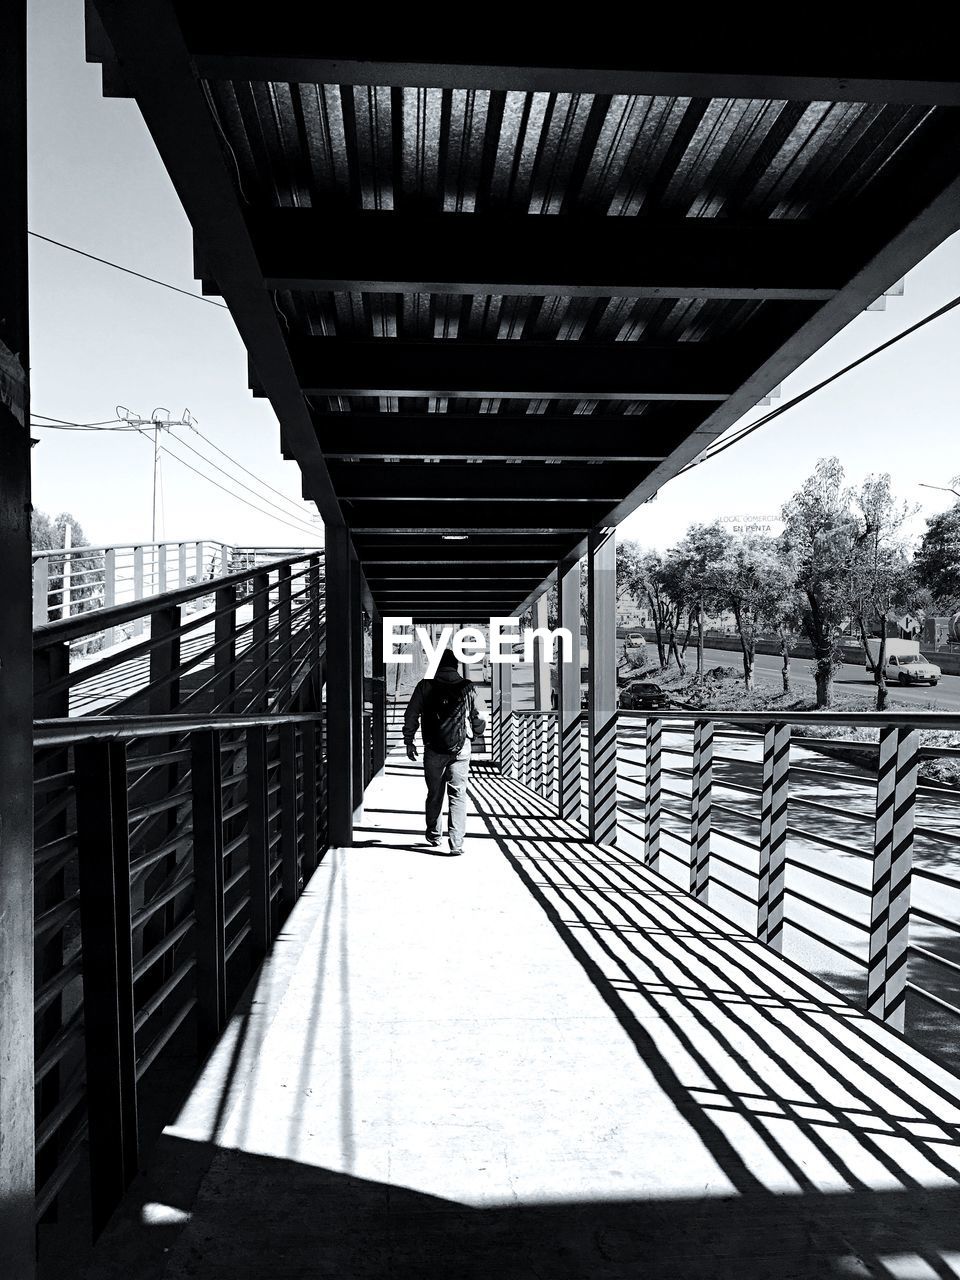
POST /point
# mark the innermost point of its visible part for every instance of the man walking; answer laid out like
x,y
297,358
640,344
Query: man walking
x,y
449,712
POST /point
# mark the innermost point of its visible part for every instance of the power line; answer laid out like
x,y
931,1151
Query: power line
x,y
75,426
164,284
230,458
234,480
66,422
260,511
805,395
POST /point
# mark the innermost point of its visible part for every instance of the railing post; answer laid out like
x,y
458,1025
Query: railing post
x,y
108,1002
508,727
311,851
652,792
892,869
602,714
260,640
161,568
496,717
289,869
284,638
356,677
138,585
165,661
198,561
41,591
314,614
340,708
207,787
110,589
225,652
701,799
182,564
379,695
541,667
774,795
568,695
258,850
224,561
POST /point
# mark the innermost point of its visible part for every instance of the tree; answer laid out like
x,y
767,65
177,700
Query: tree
x,y
822,535
937,562
698,556
752,584
653,589
882,578
674,589
778,605
86,572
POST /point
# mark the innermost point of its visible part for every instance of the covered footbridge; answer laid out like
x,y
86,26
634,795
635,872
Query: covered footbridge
x,y
495,303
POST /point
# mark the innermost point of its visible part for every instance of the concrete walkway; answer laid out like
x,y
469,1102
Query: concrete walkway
x,y
539,1060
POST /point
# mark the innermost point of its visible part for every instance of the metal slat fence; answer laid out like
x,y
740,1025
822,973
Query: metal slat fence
x,y
172,838
735,827
714,803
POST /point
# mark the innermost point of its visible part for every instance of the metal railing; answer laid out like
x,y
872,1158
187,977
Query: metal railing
x,y
171,838
821,866
68,581
229,643
730,807
169,851
532,751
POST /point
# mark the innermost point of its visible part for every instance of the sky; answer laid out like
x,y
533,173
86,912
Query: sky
x,y
100,339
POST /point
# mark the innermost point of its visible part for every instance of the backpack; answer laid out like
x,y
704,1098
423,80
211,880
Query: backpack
x,y
443,715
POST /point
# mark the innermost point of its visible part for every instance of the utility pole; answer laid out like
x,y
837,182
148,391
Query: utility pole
x,y
159,420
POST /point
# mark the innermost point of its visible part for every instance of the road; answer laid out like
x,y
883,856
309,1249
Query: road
x,y
849,679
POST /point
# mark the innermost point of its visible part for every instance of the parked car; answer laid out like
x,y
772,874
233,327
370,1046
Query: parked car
x,y
642,695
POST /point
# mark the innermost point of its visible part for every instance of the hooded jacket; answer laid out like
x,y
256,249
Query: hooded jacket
x,y
474,719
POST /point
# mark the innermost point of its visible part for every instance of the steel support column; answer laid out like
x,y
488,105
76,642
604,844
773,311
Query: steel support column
x,y
340,704
379,685
508,728
356,678
568,695
16,680
496,717
602,716
541,665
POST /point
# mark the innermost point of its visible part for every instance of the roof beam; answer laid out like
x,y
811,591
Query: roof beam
x,y
267,45
649,437
485,481
480,517
313,249
686,371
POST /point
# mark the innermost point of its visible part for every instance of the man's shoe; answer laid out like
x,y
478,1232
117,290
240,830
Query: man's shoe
x,y
433,841
455,853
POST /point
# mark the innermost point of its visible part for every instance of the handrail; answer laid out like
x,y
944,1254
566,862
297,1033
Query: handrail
x,y
61,732
78,625
84,550
869,719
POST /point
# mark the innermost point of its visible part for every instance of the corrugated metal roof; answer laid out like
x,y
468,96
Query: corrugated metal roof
x,y
454,150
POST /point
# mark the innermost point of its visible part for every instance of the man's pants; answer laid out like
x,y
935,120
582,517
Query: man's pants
x,y
445,772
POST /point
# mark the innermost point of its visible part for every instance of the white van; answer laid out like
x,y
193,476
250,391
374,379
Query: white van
x,y
905,664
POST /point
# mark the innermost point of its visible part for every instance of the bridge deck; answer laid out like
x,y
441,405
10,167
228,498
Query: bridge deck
x,y
540,1060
